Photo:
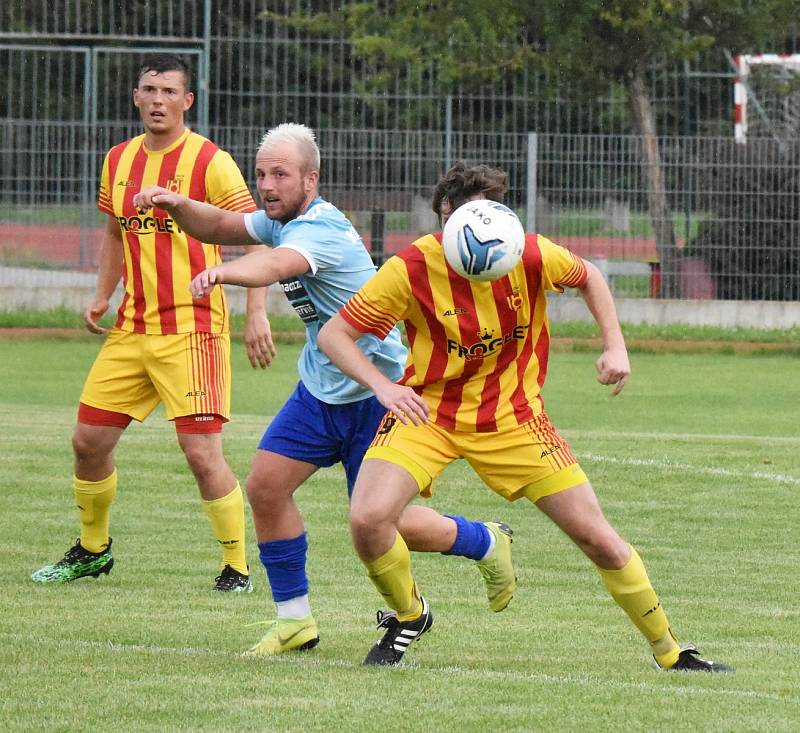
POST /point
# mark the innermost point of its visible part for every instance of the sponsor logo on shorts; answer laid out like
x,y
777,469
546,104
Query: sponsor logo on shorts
x,y
196,393
387,425
549,452
487,345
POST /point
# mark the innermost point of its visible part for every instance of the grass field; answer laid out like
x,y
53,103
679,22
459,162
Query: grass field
x,y
695,463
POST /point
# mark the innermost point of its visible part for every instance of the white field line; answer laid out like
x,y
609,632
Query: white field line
x,y
663,465
474,674
691,437
245,424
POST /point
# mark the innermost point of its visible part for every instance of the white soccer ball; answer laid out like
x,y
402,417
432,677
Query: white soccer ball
x,y
483,240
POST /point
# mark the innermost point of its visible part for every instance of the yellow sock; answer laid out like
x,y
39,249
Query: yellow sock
x,y
226,515
391,575
631,589
94,507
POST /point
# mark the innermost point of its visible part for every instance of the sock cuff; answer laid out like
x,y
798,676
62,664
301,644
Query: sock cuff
x,y
630,578
390,558
95,487
281,550
234,495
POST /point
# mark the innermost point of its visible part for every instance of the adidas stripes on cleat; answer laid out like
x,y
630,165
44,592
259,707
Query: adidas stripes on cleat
x,y
76,563
689,660
287,635
232,581
398,637
497,569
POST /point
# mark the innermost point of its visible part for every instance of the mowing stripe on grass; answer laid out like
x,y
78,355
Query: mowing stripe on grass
x,y
581,680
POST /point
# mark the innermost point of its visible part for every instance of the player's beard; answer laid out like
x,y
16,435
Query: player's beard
x,y
292,208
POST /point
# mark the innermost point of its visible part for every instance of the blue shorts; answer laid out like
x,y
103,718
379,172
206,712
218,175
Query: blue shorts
x,y
313,431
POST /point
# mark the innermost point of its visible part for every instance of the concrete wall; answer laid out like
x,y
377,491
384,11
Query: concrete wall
x,y
42,289
723,313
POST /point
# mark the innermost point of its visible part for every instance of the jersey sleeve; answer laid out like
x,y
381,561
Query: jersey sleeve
x,y
560,267
261,228
381,302
320,243
225,186
104,202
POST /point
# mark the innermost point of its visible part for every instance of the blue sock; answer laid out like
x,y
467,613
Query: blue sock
x,y
472,538
285,562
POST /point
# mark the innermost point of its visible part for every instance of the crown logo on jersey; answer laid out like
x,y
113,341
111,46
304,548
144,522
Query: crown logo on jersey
x,y
174,184
486,335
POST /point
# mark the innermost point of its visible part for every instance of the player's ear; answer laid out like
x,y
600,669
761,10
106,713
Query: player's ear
x,y
136,97
188,100
311,181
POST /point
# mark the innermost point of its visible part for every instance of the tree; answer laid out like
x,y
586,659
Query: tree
x,y
589,43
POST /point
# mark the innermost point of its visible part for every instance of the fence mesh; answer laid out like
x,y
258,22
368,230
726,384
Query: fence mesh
x,y
728,228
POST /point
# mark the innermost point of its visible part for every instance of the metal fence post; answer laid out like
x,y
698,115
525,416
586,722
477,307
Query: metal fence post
x,y
530,182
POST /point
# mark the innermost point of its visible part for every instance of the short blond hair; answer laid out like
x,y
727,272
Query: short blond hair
x,y
302,137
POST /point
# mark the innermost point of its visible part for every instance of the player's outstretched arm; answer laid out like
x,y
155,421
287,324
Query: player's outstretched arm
x,y
109,272
197,218
337,339
256,269
613,366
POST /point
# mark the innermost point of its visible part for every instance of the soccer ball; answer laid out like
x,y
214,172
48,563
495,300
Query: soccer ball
x,y
483,240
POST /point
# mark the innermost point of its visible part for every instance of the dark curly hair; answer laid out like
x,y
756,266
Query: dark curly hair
x,y
461,183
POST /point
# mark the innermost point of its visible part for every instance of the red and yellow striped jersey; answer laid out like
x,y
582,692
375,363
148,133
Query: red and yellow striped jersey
x,y
478,350
160,258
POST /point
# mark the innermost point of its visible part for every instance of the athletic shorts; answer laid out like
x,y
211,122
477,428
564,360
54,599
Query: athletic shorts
x,y
316,432
532,460
189,372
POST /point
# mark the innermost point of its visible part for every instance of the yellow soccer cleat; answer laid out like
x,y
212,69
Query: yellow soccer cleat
x,y
287,635
497,569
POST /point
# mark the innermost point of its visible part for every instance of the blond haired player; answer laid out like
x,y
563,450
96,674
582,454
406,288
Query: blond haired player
x,y
472,390
165,346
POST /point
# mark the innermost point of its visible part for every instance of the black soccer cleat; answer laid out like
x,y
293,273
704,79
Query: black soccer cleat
x,y
398,637
690,660
77,562
232,581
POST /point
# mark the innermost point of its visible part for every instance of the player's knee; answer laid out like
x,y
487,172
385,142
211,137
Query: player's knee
x,y
607,550
87,449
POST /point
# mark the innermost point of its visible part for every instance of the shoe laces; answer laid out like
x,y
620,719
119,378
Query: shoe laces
x,y
387,620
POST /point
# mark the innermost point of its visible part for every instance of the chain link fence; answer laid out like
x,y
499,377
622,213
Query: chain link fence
x,y
728,228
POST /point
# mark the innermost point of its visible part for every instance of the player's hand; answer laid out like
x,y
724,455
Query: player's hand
x,y
258,340
151,196
204,283
613,367
405,403
93,313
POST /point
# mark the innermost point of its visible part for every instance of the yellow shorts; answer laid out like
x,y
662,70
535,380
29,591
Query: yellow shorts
x,y
189,372
532,460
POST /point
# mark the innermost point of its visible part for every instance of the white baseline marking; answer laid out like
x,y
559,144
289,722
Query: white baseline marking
x,y
689,437
708,470
582,680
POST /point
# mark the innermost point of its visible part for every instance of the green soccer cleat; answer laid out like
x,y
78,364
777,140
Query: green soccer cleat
x,y
76,563
497,569
287,635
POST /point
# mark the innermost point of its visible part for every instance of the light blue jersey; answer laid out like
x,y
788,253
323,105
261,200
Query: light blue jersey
x,y
339,265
